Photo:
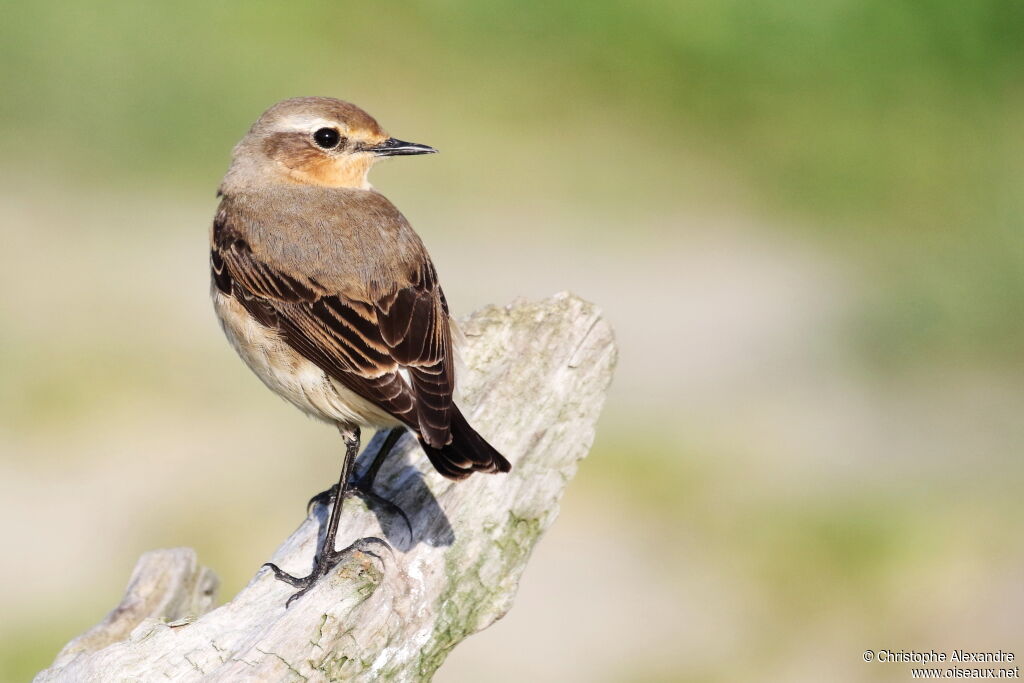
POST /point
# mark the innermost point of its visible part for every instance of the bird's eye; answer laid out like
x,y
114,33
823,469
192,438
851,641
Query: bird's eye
x,y
328,138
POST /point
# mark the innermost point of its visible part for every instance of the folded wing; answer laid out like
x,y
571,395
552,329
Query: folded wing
x,y
360,343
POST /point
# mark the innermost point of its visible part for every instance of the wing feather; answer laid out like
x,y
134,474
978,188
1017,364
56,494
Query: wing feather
x,y
360,343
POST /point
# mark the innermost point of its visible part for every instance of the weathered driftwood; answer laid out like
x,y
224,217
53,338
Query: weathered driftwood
x,y
534,381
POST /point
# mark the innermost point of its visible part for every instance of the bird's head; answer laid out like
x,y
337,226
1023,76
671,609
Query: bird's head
x,y
314,141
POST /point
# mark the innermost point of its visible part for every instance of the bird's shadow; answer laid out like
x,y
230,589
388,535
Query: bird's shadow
x,y
405,507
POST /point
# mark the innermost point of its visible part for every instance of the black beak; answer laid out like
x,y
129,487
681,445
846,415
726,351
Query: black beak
x,y
394,148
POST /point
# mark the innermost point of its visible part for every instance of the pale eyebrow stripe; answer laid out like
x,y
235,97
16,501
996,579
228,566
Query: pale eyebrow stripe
x,y
308,125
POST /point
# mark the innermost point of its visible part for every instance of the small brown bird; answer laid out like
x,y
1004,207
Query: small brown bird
x,y
328,295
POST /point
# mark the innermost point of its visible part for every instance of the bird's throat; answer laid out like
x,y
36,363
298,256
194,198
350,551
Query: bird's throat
x,y
330,173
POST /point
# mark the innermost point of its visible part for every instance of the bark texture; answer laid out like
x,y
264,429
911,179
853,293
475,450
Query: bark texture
x,y
533,384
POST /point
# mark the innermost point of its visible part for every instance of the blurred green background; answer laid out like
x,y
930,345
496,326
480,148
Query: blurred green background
x,y
803,218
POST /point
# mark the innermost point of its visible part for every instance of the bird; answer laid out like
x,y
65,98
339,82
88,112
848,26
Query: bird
x,y
329,296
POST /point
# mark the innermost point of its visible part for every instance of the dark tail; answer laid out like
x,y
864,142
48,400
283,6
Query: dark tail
x,y
465,453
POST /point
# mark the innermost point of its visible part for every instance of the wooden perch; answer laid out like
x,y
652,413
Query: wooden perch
x,y
534,382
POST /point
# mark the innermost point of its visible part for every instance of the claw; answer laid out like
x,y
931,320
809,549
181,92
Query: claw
x,y
363,490
323,498
328,558
322,565
282,575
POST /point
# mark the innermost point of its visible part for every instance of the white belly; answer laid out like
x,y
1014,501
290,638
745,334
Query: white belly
x,y
289,374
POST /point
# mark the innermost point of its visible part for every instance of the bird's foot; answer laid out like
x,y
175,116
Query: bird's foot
x,y
323,498
363,488
323,563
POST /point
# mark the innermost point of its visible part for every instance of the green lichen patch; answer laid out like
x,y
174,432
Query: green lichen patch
x,y
470,601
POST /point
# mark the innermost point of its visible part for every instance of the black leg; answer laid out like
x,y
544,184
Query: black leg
x,y
365,482
363,486
327,557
